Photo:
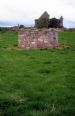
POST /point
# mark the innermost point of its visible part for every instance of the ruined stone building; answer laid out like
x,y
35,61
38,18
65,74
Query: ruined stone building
x,y
44,21
37,38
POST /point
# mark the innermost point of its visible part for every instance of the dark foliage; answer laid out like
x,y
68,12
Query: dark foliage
x,y
21,26
54,23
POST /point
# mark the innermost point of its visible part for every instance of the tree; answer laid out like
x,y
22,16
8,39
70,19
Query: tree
x,y
21,26
54,23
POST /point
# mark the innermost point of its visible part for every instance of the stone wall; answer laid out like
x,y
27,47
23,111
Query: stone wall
x,y
37,38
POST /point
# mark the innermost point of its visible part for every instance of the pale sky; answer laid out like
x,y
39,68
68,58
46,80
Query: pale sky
x,y
14,12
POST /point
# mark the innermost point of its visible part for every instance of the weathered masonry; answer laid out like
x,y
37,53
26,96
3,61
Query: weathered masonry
x,y
37,38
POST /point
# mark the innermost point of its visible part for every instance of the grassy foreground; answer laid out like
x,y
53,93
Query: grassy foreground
x,y
37,82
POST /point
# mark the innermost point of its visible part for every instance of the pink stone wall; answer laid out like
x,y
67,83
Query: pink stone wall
x,y
37,38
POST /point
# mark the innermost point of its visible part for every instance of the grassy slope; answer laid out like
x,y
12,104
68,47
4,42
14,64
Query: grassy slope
x,y
37,82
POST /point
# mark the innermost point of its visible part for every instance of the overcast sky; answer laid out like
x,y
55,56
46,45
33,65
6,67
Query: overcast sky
x,y
14,12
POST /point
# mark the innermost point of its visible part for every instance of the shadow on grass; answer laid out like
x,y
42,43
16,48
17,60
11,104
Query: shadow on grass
x,y
44,71
13,108
32,108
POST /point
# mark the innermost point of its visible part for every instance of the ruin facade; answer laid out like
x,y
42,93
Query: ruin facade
x,y
37,38
44,21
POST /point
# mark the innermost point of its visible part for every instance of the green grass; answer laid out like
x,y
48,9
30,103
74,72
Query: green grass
x,y
37,82
8,40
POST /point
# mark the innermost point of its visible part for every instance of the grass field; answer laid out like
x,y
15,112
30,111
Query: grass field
x,y
37,82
